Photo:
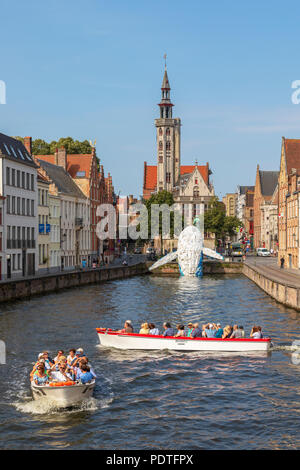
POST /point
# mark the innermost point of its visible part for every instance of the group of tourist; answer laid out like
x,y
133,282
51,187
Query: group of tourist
x,y
75,368
193,330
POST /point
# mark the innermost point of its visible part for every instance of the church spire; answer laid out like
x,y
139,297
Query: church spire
x,y
165,103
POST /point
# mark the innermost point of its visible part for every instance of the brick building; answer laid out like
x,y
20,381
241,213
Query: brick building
x,y
288,196
88,174
265,186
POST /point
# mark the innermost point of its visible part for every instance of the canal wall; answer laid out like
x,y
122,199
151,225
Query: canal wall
x,y
23,288
209,267
284,292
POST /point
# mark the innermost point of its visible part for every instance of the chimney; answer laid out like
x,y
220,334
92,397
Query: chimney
x,y
28,144
61,157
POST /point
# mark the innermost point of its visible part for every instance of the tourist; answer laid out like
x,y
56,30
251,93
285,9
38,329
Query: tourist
x,y
237,333
169,331
180,331
61,375
41,377
210,330
59,353
241,328
48,363
71,357
85,375
56,365
256,333
282,262
227,332
219,331
39,361
153,330
127,327
190,328
196,332
144,329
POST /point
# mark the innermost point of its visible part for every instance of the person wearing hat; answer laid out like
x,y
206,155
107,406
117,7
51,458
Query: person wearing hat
x,y
190,328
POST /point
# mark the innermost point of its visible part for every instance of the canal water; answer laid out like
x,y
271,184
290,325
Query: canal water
x,y
154,400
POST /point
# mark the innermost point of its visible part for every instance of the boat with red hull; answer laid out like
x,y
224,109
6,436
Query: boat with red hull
x,y
113,339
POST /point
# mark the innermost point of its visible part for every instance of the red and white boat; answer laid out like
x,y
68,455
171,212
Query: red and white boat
x,y
113,339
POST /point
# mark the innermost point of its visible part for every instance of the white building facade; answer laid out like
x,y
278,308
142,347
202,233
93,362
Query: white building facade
x,y
18,185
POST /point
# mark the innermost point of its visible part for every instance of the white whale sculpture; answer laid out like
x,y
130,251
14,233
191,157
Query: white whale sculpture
x,y
190,253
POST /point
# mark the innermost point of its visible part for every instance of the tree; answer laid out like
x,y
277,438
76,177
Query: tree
x,y
40,147
216,221
162,197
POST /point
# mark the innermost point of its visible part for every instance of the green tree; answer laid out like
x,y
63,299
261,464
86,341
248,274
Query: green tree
x,y
40,147
162,197
216,221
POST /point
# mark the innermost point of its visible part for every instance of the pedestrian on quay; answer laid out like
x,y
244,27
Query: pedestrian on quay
x,y
282,262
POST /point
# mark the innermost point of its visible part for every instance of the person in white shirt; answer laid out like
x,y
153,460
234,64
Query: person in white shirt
x,y
61,375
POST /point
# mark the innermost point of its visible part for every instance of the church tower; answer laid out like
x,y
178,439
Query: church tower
x,y
168,141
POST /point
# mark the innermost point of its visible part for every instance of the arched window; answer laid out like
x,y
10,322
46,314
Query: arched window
x,y
160,145
167,113
168,131
196,191
160,131
168,145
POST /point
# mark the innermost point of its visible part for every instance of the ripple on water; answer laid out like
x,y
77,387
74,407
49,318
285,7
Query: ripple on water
x,y
154,399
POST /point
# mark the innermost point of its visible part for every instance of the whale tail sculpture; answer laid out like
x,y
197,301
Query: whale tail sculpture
x,y
189,254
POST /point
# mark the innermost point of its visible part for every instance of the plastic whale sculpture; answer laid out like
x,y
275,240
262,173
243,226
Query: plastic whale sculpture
x,y
189,254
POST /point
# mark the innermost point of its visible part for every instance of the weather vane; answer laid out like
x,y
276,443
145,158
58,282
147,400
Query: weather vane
x,y
165,57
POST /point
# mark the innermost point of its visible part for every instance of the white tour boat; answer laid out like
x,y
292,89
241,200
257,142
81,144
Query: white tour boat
x,y
113,339
63,393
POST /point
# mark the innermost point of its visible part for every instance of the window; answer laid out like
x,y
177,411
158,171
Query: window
x,y
8,204
168,131
168,177
196,191
18,178
27,181
23,206
8,176
168,146
13,177
23,179
18,206
160,131
13,204
160,146
32,182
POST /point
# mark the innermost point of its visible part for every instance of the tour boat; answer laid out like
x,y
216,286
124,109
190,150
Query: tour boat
x,y
63,393
113,339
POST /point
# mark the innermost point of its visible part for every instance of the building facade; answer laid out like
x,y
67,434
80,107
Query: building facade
x,y
18,185
54,243
75,238
288,201
44,227
230,202
265,187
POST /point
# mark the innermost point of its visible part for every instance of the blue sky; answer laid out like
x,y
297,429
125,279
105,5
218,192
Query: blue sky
x,y
93,70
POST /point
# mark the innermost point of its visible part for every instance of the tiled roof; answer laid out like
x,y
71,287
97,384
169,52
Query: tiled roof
x,y
292,154
14,150
268,182
150,178
75,163
61,178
